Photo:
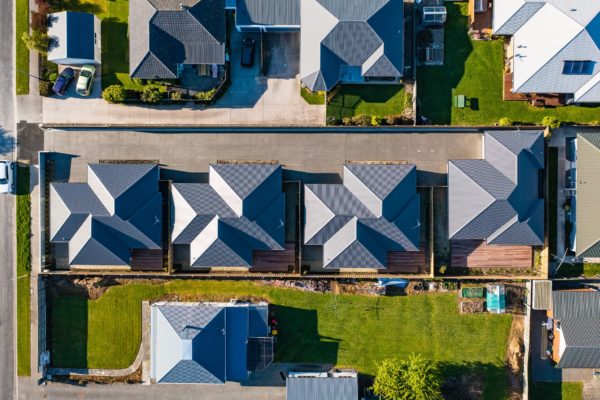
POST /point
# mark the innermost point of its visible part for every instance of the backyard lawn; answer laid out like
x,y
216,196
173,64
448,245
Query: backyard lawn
x,y
474,69
379,100
115,43
346,330
556,391
22,53
23,271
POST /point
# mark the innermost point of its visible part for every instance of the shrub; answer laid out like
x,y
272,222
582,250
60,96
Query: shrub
x,y
331,120
551,122
347,121
45,88
375,120
52,77
176,96
151,95
206,95
505,122
114,94
138,81
594,123
37,41
393,120
443,269
361,120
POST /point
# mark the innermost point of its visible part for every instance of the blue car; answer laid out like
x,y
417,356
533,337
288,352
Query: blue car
x,y
63,81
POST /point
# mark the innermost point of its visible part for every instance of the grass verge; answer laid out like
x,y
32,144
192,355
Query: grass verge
x,y
345,330
22,53
378,100
23,271
475,68
556,391
312,98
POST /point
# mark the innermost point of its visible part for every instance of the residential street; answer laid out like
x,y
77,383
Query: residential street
x,y
7,210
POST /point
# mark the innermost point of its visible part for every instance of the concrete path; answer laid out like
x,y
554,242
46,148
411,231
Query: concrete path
x,y
141,356
591,390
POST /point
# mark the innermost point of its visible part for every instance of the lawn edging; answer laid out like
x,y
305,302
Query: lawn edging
x,y
23,272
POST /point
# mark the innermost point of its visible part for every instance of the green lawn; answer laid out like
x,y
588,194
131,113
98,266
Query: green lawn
x,y
115,43
312,98
474,69
23,271
575,270
379,100
22,53
354,331
556,391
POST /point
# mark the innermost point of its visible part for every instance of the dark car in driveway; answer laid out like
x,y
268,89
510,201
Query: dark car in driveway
x,y
63,81
248,52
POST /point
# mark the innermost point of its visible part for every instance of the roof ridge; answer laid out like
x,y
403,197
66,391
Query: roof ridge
x,y
187,9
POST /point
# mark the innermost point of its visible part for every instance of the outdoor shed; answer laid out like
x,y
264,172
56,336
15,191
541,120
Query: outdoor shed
x,y
74,38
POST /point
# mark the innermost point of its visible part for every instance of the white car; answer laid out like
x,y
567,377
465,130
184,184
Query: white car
x,y
7,183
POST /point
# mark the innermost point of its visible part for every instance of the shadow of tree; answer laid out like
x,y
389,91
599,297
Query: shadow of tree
x,y
75,5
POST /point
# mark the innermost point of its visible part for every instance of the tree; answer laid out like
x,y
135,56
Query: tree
x,y
37,41
412,379
114,94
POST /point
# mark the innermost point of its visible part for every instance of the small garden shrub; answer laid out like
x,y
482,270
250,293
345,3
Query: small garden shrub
x,y
393,120
206,95
151,95
176,96
346,121
505,122
551,122
52,77
376,121
114,94
45,88
361,120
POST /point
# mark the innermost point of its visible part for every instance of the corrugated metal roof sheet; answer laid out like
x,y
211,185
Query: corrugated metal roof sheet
x,y
268,12
588,193
542,295
322,388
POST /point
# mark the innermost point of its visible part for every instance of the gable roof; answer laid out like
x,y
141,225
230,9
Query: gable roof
x,y
239,211
588,190
579,315
117,210
203,342
496,199
165,33
73,35
356,33
330,388
540,50
374,211
268,12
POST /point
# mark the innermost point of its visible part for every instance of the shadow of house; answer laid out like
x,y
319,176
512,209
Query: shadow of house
x,y
299,340
68,331
474,380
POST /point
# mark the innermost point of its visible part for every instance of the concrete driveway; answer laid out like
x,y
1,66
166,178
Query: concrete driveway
x,y
251,99
308,156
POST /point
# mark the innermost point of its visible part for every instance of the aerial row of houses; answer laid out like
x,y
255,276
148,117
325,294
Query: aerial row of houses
x,y
355,41
236,221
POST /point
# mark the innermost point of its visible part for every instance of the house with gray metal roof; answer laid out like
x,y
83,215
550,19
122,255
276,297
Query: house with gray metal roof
x,y
165,35
350,41
584,204
499,199
220,224
99,224
75,38
322,385
576,328
354,225
209,343
267,15
544,59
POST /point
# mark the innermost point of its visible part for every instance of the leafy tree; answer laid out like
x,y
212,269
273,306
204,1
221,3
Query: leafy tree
x,y
114,94
37,41
412,379
551,122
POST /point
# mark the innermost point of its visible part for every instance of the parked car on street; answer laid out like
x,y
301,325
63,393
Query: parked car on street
x,y
63,81
86,80
7,183
247,52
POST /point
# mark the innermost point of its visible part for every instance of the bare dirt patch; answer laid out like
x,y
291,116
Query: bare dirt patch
x,y
515,357
466,387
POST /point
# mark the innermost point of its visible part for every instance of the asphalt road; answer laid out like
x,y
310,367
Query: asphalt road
x,y
7,209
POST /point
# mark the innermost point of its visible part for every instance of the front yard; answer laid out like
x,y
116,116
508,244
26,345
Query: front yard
x,y
378,100
346,330
474,69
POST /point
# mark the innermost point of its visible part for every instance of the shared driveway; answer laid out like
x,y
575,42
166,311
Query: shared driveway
x,y
308,153
251,99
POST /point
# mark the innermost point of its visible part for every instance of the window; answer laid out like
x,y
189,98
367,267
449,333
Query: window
x,y
578,67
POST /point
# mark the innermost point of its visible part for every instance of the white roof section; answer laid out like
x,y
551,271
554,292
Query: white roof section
x,y
314,30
